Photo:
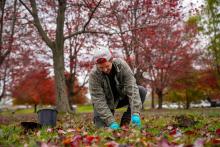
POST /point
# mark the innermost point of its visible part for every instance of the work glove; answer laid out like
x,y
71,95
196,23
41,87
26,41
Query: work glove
x,y
135,119
114,126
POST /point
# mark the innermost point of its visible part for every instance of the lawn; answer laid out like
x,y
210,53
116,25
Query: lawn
x,y
198,127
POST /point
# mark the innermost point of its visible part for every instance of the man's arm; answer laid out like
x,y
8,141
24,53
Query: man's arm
x,y
131,88
99,101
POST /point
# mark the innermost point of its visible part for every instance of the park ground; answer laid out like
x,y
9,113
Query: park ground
x,y
163,128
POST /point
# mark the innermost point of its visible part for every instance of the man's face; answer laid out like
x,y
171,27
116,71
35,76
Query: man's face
x,y
105,67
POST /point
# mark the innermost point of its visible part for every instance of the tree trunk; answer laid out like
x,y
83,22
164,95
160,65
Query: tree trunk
x,y
152,100
187,104
2,6
35,108
160,101
160,98
70,88
187,100
139,78
62,102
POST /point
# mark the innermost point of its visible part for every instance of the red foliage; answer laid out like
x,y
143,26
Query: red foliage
x,y
35,88
209,82
78,140
38,87
162,45
217,132
209,79
168,46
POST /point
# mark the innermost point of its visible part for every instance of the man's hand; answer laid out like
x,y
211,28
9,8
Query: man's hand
x,y
114,126
135,119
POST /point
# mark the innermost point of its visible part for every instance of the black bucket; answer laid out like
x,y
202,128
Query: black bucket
x,y
47,117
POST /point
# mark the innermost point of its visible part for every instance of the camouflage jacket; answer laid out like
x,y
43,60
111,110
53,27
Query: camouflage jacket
x,y
101,93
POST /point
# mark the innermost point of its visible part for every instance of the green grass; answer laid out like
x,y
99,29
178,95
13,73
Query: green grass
x,y
18,111
89,109
79,109
84,109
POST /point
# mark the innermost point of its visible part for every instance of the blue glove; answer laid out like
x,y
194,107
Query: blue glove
x,y
114,126
135,119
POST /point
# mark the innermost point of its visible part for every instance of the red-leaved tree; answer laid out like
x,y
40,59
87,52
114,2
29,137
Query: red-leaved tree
x,y
210,84
167,47
36,88
153,38
49,18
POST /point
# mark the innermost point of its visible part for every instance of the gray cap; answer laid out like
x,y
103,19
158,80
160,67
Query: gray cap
x,y
102,53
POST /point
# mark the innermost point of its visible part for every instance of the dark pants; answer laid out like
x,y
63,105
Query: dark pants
x,y
126,117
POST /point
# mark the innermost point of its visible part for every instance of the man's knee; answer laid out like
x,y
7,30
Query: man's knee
x,y
143,93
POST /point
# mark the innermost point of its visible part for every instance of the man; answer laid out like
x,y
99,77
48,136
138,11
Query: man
x,y
112,85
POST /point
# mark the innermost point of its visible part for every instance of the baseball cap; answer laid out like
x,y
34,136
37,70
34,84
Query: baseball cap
x,y
102,55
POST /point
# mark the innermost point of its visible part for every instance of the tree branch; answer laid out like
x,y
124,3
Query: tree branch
x,y
86,24
4,55
37,23
29,10
102,32
2,6
4,84
60,23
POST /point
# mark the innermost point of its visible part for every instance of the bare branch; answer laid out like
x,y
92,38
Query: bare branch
x,y
4,84
4,55
34,13
86,24
29,10
2,5
60,23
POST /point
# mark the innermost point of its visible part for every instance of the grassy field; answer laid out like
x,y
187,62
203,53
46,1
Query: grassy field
x,y
196,127
79,109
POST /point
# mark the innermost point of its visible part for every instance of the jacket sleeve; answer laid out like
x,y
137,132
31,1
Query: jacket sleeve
x,y
131,88
99,101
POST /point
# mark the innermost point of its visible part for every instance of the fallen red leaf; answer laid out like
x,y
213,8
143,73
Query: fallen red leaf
x,y
112,144
67,141
76,141
189,132
216,141
218,132
91,139
173,132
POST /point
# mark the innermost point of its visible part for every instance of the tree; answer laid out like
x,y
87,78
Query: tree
x,y
7,31
36,88
209,83
212,30
153,39
166,47
124,19
77,91
76,50
16,55
58,36
186,88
